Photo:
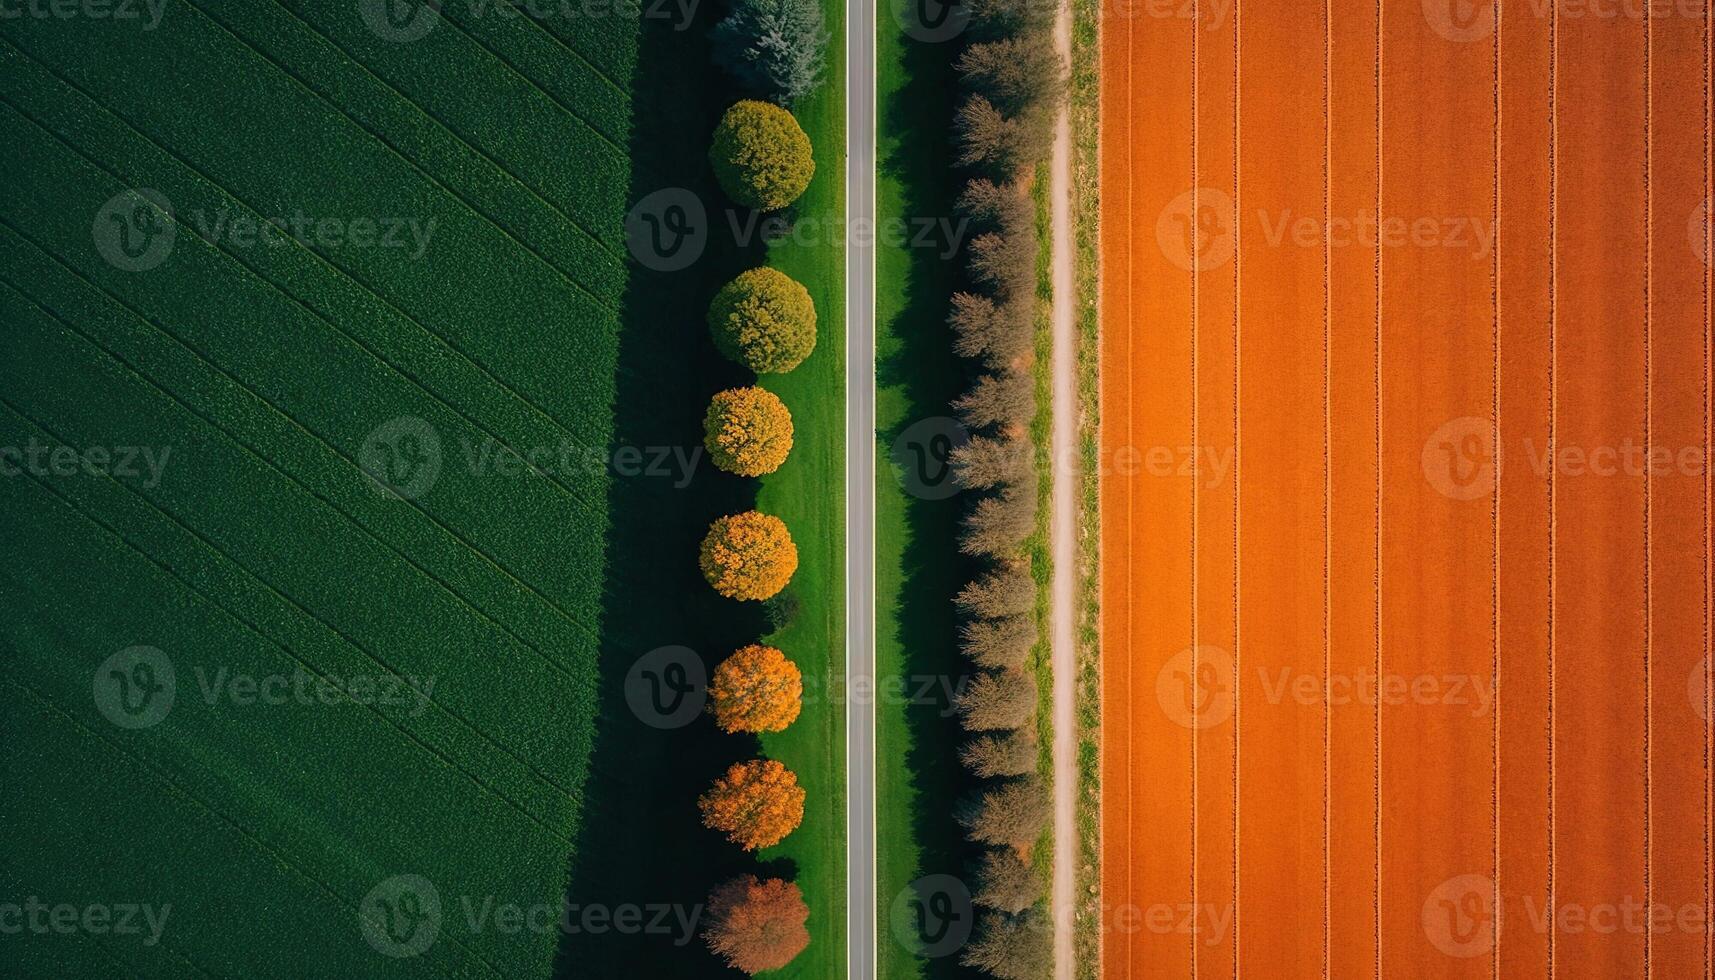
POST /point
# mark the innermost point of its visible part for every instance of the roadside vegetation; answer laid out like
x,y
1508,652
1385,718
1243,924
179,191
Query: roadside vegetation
x,y
1084,98
1011,79
765,321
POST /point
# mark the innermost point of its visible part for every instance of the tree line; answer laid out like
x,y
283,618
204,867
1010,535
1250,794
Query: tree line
x,y
765,321
1011,81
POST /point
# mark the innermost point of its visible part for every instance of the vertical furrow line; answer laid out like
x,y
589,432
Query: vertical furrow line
x,y
1649,486
1131,492
1496,450
1327,481
1708,476
1238,462
1196,467
1553,439
1380,216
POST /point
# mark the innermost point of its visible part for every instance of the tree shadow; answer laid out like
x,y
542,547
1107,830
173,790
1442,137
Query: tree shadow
x,y
925,370
641,841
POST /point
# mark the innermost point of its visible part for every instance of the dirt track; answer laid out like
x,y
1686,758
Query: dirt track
x,y
1353,695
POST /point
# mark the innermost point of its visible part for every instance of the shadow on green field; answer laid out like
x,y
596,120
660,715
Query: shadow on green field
x,y
930,376
642,843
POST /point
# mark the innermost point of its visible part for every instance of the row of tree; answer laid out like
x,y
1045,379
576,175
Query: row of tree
x,y
766,321
1011,80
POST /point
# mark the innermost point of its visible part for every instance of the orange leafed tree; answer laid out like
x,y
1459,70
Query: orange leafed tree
x,y
749,556
756,690
757,925
756,804
748,431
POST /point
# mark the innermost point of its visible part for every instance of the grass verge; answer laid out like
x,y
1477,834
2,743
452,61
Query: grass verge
x,y
1085,96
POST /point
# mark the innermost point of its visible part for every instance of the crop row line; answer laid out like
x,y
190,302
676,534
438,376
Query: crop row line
x,y
570,795
594,297
419,107
291,654
415,504
407,317
171,780
270,587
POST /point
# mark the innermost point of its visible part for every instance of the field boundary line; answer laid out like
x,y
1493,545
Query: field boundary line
x,y
1327,485
1238,482
172,780
1649,486
213,546
1497,900
412,737
1553,447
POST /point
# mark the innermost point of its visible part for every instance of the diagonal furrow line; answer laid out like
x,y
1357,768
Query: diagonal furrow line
x,y
374,132
264,460
580,287
253,272
87,937
171,779
526,14
514,69
415,504
293,655
569,795
472,144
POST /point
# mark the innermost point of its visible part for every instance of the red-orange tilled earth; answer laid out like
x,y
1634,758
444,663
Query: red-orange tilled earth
x,y
1405,496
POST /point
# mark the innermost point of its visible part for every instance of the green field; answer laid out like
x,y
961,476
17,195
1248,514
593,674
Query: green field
x,y
918,570
262,556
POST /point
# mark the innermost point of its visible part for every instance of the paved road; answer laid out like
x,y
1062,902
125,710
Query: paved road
x,y
860,489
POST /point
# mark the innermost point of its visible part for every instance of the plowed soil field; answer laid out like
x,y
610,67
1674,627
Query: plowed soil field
x,y
1405,490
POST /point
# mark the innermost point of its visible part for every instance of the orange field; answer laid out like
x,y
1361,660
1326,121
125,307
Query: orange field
x,y
1405,489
